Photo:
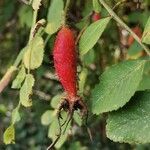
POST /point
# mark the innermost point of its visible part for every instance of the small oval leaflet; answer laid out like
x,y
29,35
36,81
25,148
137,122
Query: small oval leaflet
x,y
92,34
19,78
26,91
55,16
9,135
33,56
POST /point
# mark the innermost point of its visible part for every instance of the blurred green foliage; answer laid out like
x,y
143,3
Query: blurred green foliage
x,y
31,132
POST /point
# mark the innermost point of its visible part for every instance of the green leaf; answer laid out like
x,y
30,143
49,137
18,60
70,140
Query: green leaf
x,y
56,100
77,118
145,83
134,16
15,115
96,6
26,91
47,117
54,130
3,109
55,16
82,80
92,34
87,8
134,49
33,56
117,85
89,57
9,135
77,146
36,4
146,34
19,78
131,124
25,16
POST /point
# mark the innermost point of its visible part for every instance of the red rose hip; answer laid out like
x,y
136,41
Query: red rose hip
x,y
65,61
96,16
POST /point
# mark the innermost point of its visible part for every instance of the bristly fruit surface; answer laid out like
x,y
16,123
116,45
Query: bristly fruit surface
x,y
65,61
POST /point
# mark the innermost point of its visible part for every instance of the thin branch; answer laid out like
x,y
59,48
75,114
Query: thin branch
x,y
19,58
35,12
47,39
65,11
51,76
6,78
114,15
42,95
80,34
119,3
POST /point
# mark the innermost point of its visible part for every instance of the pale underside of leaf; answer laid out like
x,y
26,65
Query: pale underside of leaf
x,y
9,135
15,115
33,56
19,78
26,91
47,117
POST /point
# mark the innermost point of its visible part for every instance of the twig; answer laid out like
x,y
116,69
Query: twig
x,y
60,129
114,15
65,11
80,34
19,58
6,78
47,39
35,12
51,76
42,95
119,3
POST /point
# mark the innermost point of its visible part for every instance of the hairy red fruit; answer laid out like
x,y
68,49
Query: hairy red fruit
x,y
138,32
96,16
65,61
